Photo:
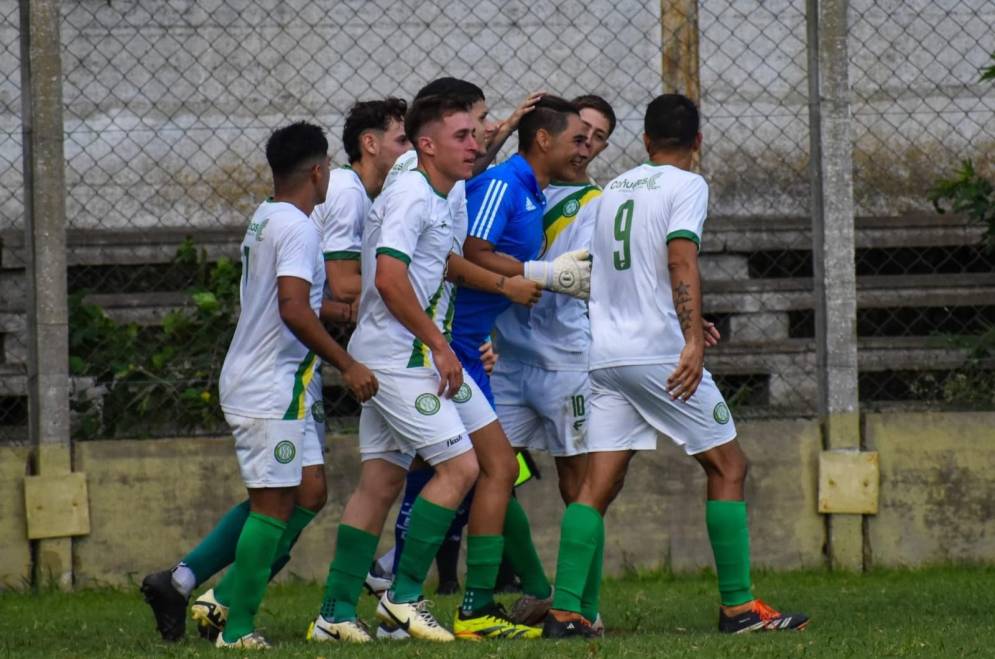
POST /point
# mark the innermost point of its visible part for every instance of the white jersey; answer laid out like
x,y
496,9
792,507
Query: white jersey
x,y
408,161
267,372
340,218
632,307
404,163
555,334
412,222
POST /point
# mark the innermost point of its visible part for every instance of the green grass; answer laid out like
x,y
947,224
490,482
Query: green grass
x,y
943,612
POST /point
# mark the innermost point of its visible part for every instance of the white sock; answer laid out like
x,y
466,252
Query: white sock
x,y
184,580
386,562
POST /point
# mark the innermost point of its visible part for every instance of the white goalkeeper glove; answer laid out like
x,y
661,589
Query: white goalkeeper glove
x,y
568,273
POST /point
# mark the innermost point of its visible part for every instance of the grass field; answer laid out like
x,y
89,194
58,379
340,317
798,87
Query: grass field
x,y
944,612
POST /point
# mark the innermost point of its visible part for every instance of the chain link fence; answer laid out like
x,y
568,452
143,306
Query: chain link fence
x,y
757,248
167,106
919,110
13,342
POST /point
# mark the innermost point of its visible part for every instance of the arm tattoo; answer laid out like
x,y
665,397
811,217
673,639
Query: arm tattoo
x,y
683,305
500,283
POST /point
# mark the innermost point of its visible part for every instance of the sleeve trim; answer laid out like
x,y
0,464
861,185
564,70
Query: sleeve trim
x,y
686,235
397,254
341,255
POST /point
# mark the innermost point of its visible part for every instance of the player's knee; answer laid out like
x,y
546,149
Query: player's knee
x,y
461,472
314,499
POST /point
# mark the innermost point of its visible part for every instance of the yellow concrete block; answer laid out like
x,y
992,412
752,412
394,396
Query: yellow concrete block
x,y
848,482
56,506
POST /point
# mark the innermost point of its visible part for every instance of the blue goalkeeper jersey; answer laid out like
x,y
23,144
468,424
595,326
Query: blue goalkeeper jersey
x,y
505,207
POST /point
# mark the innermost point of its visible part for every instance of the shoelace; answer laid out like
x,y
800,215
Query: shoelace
x,y
426,615
765,612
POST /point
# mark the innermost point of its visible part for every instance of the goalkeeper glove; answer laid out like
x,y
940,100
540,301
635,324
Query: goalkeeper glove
x,y
568,273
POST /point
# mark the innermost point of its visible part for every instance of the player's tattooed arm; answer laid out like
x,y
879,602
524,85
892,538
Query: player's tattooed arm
x,y
683,304
518,289
682,262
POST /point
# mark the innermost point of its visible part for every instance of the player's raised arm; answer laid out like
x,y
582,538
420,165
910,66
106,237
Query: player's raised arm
x,y
518,289
504,131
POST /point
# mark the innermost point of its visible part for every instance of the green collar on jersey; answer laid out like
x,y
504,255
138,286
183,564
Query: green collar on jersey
x,y
427,180
363,185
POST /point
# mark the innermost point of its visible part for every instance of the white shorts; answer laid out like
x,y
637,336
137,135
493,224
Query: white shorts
x,y
541,409
407,417
630,405
270,451
313,450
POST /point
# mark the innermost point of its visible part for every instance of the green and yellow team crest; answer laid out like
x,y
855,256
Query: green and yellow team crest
x,y
318,411
721,413
464,394
284,452
427,404
571,207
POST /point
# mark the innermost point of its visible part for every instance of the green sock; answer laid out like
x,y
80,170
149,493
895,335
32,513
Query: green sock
x,y
578,547
521,553
590,600
730,538
483,560
298,520
427,528
254,554
217,550
355,550
295,526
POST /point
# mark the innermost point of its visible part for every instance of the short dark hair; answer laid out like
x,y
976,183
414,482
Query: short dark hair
x,y
427,109
369,115
672,122
292,146
598,104
550,113
455,87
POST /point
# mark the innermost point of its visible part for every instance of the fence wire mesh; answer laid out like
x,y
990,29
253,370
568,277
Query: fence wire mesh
x,y
13,340
920,109
756,261
167,106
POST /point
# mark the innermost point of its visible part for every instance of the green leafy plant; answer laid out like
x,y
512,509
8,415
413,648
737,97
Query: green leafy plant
x,y
969,192
142,381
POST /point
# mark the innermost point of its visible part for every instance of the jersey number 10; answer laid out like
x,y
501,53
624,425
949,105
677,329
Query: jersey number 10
x,y
622,258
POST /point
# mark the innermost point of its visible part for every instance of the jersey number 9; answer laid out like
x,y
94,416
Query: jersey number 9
x,y
622,257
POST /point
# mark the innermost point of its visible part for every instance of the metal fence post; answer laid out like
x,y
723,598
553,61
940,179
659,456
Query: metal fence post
x,y
45,238
833,252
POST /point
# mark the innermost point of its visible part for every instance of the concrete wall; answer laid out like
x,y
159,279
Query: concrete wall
x,y
150,501
937,499
15,552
